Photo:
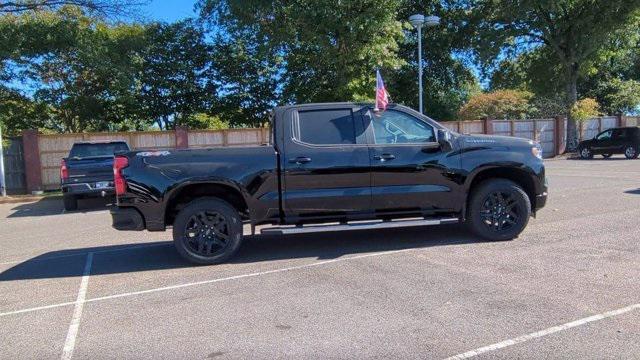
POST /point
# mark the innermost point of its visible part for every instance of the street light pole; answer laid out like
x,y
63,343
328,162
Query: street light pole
x,y
420,69
3,184
418,21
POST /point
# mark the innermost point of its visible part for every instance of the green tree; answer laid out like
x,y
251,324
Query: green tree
x,y
448,82
246,74
173,77
329,49
573,30
18,113
117,8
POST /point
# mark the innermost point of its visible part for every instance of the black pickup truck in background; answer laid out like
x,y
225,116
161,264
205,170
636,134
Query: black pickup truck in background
x,y
88,171
331,167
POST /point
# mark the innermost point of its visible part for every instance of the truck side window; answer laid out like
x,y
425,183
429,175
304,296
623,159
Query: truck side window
x,y
394,127
326,127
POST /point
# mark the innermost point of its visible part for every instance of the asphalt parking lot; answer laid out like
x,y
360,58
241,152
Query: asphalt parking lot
x,y
569,287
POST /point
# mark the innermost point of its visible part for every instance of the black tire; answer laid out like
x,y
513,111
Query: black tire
x,y
585,153
70,202
207,231
498,210
606,156
631,152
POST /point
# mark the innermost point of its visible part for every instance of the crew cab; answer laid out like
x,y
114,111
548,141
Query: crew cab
x,y
331,167
623,140
88,171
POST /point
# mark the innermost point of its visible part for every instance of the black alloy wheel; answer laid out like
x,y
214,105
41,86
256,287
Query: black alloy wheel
x,y
207,231
498,209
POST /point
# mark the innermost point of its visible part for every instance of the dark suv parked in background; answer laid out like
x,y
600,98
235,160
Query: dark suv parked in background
x,y
88,171
625,140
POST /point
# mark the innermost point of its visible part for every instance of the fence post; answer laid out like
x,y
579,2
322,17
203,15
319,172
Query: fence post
x,y
487,126
32,166
182,137
558,130
621,121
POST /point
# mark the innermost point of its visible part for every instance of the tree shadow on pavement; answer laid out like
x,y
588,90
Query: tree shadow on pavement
x,y
54,206
162,255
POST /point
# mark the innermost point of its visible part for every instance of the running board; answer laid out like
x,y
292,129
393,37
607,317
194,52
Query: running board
x,y
356,225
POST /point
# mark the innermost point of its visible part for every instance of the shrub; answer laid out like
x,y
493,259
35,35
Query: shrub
x,y
585,109
501,104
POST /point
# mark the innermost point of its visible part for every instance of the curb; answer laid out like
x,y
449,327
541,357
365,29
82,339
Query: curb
x,y
26,199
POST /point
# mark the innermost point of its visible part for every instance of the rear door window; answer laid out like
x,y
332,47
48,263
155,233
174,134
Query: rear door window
x,y
619,134
326,127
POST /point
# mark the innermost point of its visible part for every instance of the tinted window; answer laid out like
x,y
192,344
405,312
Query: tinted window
x,y
619,133
604,136
394,127
95,150
325,127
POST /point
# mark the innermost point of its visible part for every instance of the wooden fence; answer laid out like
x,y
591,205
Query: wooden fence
x,y
551,133
43,153
52,148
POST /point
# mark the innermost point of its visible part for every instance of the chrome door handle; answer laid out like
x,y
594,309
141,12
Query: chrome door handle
x,y
384,157
300,160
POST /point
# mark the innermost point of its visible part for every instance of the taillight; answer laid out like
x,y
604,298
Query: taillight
x,y
64,171
119,163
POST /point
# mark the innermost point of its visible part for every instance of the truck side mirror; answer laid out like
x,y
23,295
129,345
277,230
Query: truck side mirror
x,y
444,139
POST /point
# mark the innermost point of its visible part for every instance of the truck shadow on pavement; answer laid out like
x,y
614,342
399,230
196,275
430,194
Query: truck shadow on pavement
x,y
54,206
138,257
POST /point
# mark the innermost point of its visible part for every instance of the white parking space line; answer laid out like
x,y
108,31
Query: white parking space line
x,y
205,282
70,342
545,332
132,247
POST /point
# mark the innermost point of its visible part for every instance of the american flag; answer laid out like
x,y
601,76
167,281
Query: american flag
x,y
382,96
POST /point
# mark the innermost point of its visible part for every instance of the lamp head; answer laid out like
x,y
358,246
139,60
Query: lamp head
x,y
416,20
431,21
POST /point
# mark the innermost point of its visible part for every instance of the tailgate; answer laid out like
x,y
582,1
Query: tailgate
x,y
91,169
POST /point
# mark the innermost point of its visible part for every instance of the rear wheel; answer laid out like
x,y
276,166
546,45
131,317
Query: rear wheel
x,y
585,153
498,209
631,152
70,202
207,231
606,156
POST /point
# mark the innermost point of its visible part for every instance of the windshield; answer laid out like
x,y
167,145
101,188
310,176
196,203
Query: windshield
x,y
96,150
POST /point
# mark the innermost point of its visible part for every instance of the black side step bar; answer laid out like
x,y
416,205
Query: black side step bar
x,y
356,225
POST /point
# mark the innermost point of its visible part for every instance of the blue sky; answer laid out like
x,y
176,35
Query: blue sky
x,y
168,10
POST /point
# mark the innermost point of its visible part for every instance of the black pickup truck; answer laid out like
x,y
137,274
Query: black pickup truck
x,y
88,171
331,167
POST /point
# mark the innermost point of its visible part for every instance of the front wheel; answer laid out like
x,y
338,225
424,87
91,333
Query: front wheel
x,y
207,231
631,152
498,210
586,154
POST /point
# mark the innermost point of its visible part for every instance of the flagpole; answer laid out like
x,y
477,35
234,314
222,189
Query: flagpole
x,y
375,100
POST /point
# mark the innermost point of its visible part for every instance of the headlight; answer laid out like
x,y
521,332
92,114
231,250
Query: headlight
x,y
537,151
